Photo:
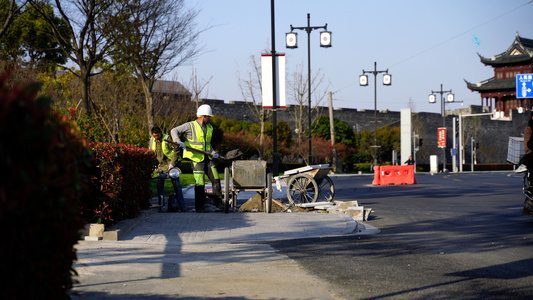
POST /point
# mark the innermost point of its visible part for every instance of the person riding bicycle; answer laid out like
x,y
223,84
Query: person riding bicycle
x,y
167,156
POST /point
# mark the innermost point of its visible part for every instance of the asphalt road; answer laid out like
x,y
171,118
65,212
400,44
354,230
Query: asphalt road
x,y
450,236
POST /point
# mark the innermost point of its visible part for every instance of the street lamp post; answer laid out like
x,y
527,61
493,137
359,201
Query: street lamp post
x,y
363,81
292,43
450,98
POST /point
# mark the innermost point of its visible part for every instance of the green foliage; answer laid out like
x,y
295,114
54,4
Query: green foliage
x,y
133,135
120,178
230,125
387,138
45,161
91,128
247,143
30,37
343,133
363,167
283,131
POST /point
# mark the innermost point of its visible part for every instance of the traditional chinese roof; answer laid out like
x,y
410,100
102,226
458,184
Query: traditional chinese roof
x,y
520,52
492,84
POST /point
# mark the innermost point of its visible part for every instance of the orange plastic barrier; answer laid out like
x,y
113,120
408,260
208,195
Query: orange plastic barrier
x,y
376,180
391,175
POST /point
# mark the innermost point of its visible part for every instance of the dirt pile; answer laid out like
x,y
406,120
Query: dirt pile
x,y
254,205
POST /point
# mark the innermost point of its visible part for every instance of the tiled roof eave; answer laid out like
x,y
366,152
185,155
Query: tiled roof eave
x,y
506,60
492,85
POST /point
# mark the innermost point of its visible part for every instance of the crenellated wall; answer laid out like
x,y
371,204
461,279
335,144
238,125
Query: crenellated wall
x,y
492,135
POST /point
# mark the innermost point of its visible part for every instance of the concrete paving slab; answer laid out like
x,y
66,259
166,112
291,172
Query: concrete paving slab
x,y
190,255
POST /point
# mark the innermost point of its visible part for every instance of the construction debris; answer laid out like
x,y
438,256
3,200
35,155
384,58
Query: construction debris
x,y
351,208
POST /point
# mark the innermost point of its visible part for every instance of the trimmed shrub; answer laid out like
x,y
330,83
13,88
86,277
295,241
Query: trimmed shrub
x,y
119,186
44,161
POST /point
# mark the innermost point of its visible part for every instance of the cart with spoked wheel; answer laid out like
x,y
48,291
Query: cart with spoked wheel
x,y
247,175
308,184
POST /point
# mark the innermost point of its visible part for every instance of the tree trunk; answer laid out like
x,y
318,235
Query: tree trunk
x,y
85,82
262,135
149,105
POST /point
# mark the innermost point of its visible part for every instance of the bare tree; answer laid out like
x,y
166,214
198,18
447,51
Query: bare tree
x,y
115,98
252,91
172,104
85,42
299,88
197,87
155,38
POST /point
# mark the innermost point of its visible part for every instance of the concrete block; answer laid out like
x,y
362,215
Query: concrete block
x,y
367,213
313,204
347,204
337,202
357,213
96,230
111,235
333,209
325,206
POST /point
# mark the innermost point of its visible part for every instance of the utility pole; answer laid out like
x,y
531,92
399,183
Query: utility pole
x,y
275,158
332,132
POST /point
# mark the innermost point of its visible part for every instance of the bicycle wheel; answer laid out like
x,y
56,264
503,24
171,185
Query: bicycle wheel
x,y
326,190
302,188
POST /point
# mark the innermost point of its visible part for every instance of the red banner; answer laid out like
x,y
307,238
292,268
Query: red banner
x,y
441,140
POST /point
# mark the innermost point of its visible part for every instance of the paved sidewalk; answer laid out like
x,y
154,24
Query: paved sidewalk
x,y
206,255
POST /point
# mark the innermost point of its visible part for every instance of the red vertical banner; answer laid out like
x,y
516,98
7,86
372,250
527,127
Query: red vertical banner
x,y
441,139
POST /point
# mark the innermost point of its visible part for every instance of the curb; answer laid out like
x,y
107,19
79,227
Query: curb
x,y
116,231
351,224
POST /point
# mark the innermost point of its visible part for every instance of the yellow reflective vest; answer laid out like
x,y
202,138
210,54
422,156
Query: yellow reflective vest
x,y
167,151
200,141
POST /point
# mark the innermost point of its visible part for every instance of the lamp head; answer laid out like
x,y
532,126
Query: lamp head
x,y
363,80
325,39
450,97
387,79
291,40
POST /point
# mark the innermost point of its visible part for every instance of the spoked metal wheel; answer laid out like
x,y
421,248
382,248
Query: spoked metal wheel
x,y
302,188
326,190
226,190
233,203
268,192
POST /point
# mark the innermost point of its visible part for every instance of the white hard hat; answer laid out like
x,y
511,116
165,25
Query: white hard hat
x,y
204,110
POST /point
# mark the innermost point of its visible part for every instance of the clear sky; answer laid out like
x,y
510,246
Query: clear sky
x,y
423,44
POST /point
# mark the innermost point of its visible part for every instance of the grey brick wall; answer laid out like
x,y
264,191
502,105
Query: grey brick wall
x,y
492,135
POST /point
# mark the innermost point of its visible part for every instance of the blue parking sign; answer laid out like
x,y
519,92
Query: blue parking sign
x,y
524,86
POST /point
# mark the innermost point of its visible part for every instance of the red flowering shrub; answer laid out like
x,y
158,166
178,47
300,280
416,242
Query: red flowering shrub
x,y
44,162
119,186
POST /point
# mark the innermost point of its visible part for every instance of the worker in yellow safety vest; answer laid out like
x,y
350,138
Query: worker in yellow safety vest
x,y
167,156
197,136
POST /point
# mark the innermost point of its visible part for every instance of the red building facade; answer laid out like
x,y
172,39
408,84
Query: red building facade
x,y
499,92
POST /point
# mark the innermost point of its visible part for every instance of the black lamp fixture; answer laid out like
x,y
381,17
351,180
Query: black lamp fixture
x,y
291,42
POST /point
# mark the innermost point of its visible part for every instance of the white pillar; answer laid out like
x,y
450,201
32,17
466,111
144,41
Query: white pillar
x,y
405,134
